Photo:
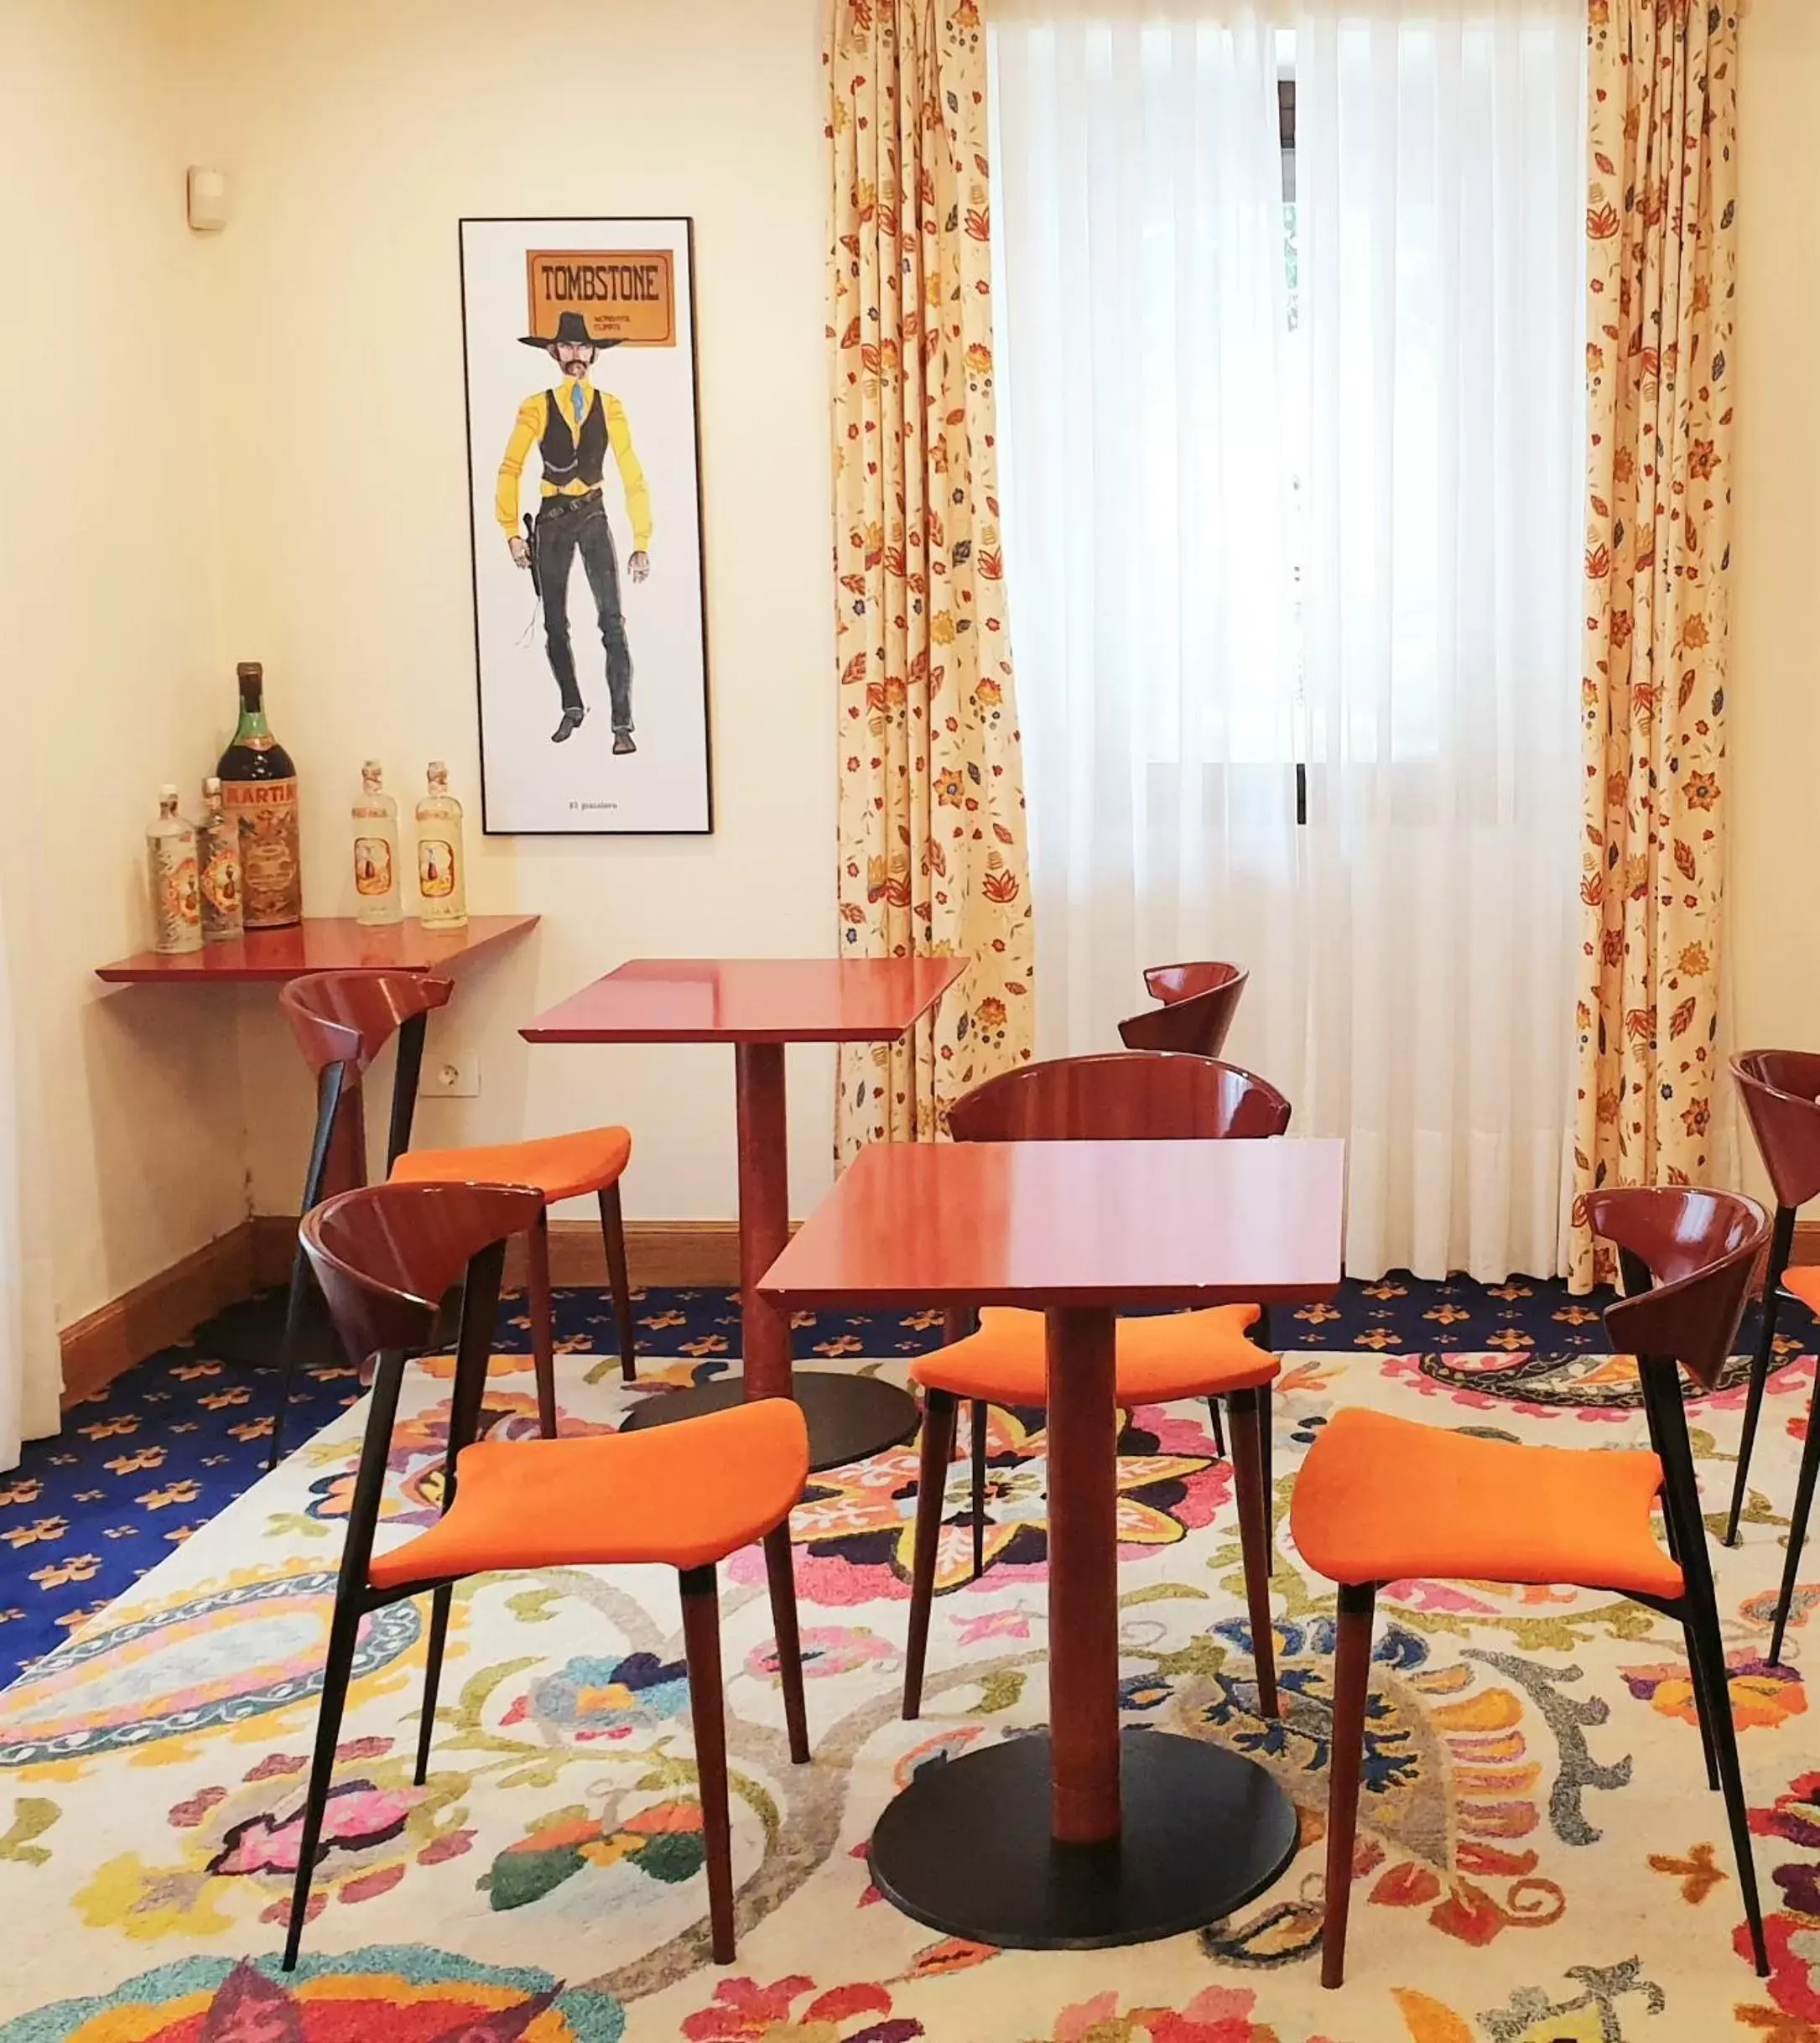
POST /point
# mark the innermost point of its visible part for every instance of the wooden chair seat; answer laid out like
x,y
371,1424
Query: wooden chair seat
x,y
1387,1499
558,1165
1160,1358
684,1495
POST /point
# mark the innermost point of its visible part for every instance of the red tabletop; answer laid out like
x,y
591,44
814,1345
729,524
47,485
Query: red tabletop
x,y
317,943
750,1000
1073,1224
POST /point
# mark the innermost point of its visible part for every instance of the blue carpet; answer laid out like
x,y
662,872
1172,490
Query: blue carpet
x,y
150,1459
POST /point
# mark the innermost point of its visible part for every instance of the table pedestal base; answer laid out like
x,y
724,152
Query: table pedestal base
x,y
850,1418
250,1334
966,1847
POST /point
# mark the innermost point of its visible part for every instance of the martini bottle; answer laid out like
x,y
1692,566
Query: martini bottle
x,y
259,787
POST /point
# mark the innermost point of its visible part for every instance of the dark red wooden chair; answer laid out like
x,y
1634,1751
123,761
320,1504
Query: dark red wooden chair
x,y
686,1496
341,1022
1199,1003
1385,1500
1781,1090
1124,1096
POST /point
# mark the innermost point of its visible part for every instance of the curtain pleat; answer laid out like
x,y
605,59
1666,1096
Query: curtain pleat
x,y
1661,283
931,809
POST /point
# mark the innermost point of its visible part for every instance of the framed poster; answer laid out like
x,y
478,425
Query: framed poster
x,y
585,507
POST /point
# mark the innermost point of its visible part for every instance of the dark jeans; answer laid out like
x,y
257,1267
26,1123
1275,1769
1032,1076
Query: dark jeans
x,y
565,526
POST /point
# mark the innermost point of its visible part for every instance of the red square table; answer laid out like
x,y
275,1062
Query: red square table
x,y
759,1004
1080,1836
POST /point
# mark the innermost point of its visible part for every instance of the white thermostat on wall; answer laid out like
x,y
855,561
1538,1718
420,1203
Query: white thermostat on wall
x,y
208,199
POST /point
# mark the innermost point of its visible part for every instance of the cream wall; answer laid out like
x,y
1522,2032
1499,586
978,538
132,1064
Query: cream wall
x,y
106,578
355,137
1773,938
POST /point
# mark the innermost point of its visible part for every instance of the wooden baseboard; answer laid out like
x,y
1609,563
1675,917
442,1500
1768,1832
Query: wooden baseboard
x,y
258,1253
165,1308
657,1252
1807,1248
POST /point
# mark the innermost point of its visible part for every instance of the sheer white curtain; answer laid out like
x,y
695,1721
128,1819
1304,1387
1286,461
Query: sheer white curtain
x,y
1142,322
1298,490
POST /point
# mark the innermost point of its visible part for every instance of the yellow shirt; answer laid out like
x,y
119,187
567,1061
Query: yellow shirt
x,y
533,415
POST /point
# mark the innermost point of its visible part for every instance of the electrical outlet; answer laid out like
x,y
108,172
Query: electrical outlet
x,y
453,1074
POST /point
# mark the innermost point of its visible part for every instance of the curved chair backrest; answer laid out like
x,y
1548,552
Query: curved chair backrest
x,y
348,1017
1129,1095
1688,1258
1169,983
1782,1094
385,1254
1199,1001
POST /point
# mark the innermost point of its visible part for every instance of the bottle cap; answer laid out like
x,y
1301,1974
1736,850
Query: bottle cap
x,y
438,770
167,792
250,670
371,769
212,785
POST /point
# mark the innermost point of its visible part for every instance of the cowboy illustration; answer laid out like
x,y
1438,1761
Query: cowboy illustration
x,y
572,428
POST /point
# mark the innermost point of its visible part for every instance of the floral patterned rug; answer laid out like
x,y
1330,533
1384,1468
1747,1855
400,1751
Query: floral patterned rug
x,y
1539,1857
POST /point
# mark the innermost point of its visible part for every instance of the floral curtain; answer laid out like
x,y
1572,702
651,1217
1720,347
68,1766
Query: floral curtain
x,y
932,837
1662,268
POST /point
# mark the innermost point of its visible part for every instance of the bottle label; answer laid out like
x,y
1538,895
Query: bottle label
x,y
222,892
435,868
271,867
176,897
373,867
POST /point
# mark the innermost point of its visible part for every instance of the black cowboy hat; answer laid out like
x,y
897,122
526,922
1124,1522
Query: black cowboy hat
x,y
571,329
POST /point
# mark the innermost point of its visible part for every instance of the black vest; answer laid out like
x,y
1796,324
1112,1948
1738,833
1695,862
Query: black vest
x,y
567,459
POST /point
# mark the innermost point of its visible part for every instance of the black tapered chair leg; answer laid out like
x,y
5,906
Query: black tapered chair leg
x,y
1759,1377
1346,1763
619,1278
1219,1431
338,1668
940,1409
1797,1525
780,1577
1252,1496
1711,1671
976,1440
707,1710
1703,1705
438,1637
293,1328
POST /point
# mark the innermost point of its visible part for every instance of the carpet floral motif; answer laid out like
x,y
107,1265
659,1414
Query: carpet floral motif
x,y
1537,1855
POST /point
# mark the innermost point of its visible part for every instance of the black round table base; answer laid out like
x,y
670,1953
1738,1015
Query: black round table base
x,y
250,1333
966,1847
849,1418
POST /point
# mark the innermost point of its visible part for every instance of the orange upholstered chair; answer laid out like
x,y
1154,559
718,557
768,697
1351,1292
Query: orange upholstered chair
x,y
341,1021
686,1496
1781,1090
1199,1003
1131,1096
1385,1500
